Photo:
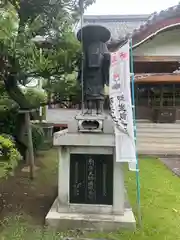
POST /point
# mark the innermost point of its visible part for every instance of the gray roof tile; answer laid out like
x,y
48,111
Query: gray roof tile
x,y
123,26
119,25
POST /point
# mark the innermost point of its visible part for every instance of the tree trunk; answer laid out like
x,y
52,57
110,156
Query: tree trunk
x,y
30,145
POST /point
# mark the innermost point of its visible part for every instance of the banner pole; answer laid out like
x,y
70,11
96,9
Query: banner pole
x,y
135,134
81,4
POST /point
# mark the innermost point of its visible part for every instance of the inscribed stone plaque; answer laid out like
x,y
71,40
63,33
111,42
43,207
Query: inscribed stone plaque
x,y
91,179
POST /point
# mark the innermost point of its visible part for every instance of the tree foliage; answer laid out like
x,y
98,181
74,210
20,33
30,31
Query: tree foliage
x,y
28,10
21,57
64,88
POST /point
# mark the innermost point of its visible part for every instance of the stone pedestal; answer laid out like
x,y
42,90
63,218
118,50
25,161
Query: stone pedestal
x,y
91,193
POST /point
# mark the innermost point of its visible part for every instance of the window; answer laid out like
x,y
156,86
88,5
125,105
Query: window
x,y
141,95
168,95
155,95
177,94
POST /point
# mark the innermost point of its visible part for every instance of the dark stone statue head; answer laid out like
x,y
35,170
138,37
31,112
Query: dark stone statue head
x,y
96,63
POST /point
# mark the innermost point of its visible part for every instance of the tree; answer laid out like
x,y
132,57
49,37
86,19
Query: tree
x,y
64,89
20,57
51,18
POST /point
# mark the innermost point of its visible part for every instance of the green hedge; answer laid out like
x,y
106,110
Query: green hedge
x,y
9,155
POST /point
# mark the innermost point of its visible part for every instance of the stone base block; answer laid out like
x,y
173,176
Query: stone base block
x,y
97,222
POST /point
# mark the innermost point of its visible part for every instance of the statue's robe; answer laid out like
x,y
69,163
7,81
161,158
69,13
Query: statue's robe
x,y
96,64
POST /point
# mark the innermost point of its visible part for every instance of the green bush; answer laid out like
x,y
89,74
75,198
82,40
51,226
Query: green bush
x,y
9,155
6,104
37,136
35,97
8,111
8,121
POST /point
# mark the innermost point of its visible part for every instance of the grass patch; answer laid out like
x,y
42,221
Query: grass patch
x,y
160,202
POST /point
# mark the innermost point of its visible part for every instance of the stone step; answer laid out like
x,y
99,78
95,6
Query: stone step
x,y
155,140
162,146
143,121
158,152
159,149
158,130
157,145
158,135
158,125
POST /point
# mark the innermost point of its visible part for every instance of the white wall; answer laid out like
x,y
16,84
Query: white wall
x,y
164,44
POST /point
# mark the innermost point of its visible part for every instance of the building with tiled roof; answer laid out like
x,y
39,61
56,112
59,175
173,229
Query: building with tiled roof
x,y
119,25
137,27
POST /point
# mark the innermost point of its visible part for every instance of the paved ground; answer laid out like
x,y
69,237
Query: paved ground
x,y
173,164
61,116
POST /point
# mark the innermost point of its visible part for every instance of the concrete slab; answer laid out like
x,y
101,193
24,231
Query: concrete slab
x,y
173,163
97,222
81,139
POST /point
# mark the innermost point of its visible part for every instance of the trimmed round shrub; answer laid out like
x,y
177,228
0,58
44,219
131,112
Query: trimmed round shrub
x,y
35,97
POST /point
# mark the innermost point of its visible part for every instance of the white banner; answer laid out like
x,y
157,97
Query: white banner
x,y
121,106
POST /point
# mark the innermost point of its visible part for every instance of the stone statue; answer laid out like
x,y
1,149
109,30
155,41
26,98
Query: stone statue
x,y
96,64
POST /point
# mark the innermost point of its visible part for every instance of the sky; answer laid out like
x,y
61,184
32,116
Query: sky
x,y
103,7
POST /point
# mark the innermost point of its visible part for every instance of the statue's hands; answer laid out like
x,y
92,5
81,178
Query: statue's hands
x,y
107,84
106,90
